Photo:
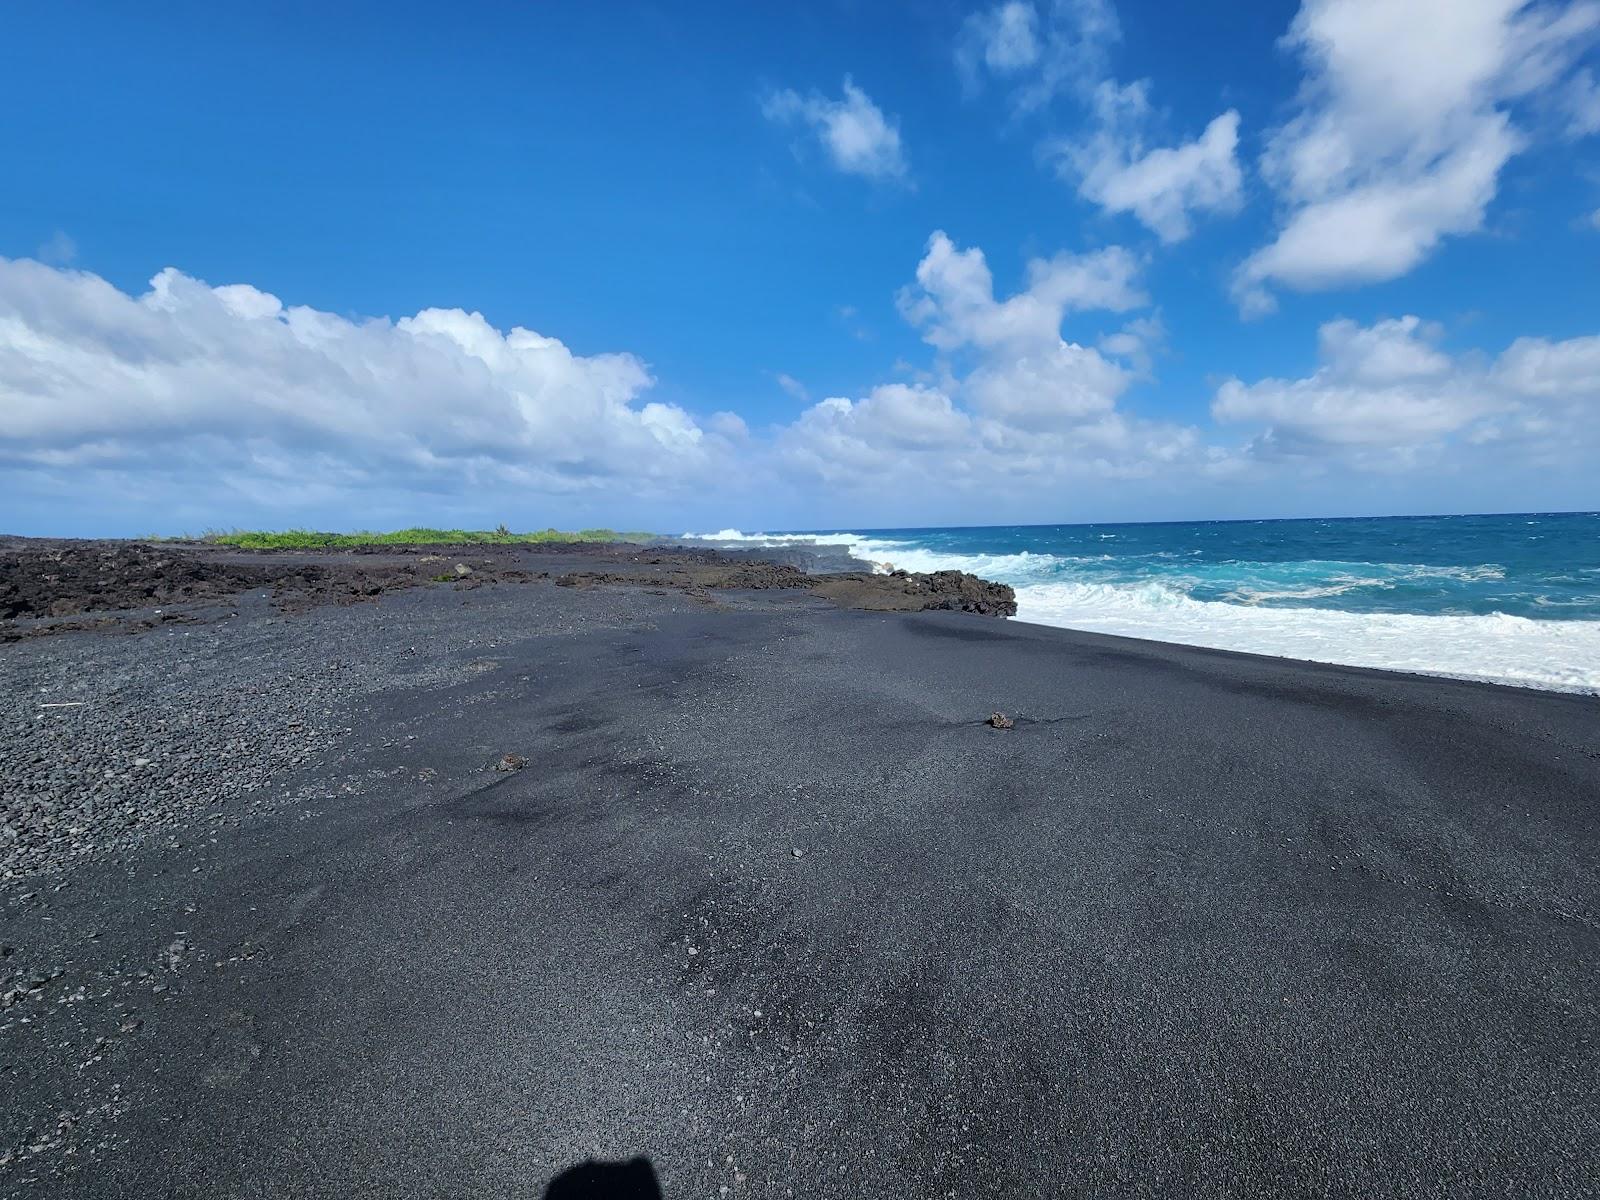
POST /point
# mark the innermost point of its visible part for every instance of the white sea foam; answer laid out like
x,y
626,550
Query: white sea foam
x,y
889,555
1561,655
875,551
1011,568
1498,648
773,539
1337,586
1273,581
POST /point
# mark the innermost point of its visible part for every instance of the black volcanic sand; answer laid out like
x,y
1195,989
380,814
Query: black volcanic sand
x,y
770,906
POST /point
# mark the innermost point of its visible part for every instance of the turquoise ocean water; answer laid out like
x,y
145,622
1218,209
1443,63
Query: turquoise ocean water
x,y
1509,598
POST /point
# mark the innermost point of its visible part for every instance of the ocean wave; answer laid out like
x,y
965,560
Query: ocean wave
x,y
1314,579
1474,574
1495,647
1343,570
1283,608
885,554
1258,595
778,539
858,546
1006,568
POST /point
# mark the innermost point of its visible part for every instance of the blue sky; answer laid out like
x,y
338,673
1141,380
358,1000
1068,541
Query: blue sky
x,y
1265,259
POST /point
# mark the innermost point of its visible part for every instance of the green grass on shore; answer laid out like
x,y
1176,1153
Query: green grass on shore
x,y
292,539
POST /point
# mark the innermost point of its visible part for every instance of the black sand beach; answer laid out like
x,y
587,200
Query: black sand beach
x,y
762,899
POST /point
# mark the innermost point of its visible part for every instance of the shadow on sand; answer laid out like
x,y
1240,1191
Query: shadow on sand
x,y
592,1180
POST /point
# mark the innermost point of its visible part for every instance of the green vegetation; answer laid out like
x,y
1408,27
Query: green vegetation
x,y
291,539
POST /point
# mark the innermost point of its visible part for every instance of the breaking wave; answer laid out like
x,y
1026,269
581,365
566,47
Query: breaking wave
x,y
1174,584
1495,647
886,554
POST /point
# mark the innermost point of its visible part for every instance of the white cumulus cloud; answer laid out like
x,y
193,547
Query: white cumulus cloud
x,y
1387,391
1011,398
1118,160
1004,39
230,385
1566,371
1162,186
1405,122
954,302
858,138
839,436
1062,384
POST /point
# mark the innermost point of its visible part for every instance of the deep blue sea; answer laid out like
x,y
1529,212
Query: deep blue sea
x,y
1509,598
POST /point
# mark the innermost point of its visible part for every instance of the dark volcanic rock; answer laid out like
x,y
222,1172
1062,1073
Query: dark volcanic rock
x,y
45,583
898,591
902,591
65,578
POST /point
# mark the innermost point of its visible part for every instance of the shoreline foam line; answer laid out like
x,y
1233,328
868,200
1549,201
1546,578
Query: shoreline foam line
x,y
1490,648
1550,655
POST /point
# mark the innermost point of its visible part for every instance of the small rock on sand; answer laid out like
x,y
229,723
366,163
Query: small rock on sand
x,y
1000,721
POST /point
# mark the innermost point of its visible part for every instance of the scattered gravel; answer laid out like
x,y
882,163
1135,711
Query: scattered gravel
x,y
110,739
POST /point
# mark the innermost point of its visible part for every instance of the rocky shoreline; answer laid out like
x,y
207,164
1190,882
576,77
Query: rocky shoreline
x,y
58,585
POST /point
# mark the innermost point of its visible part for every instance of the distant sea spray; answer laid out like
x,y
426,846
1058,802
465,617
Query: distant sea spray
x,y
1509,599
